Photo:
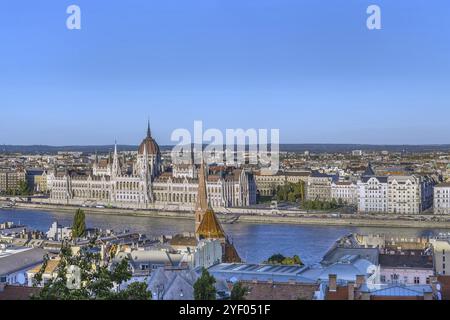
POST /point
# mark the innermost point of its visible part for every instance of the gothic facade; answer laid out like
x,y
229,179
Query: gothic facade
x,y
147,185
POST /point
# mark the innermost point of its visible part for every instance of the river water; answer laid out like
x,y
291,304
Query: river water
x,y
254,242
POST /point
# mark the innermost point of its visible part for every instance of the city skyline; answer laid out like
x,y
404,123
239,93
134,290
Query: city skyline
x,y
315,72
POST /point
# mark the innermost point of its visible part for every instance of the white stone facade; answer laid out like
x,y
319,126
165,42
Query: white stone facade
x,y
147,186
347,192
442,199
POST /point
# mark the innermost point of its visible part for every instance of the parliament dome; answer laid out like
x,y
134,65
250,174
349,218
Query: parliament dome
x,y
150,143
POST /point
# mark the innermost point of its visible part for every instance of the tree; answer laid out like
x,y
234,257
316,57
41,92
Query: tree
x,y
23,189
280,259
204,288
95,281
238,292
79,224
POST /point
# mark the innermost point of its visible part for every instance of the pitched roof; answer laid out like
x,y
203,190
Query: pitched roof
x,y
210,226
406,261
21,260
15,293
279,291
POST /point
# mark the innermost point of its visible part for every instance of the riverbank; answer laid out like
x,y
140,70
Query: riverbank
x,y
307,219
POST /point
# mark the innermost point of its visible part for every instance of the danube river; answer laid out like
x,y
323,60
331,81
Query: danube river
x,y
255,242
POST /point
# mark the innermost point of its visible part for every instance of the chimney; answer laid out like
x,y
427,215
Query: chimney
x,y
332,282
351,290
428,296
360,280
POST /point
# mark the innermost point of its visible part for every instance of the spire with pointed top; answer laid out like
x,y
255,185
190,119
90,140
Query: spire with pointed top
x,y
202,198
115,164
149,131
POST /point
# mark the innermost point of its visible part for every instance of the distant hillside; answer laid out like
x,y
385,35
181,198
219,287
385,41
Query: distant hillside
x,y
314,148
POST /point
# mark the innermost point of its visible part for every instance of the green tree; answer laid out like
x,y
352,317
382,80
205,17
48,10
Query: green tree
x,y
79,224
280,259
96,280
238,292
23,189
204,288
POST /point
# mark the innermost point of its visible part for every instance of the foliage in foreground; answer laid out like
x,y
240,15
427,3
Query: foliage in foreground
x,y
238,292
97,281
204,287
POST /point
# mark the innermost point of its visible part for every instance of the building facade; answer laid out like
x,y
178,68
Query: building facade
x,y
147,185
345,192
319,186
10,179
442,198
409,194
267,183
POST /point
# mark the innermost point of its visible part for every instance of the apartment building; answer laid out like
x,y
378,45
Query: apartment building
x,y
345,191
319,186
442,198
409,194
11,179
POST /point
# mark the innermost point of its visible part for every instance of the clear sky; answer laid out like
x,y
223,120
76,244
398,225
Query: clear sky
x,y
310,68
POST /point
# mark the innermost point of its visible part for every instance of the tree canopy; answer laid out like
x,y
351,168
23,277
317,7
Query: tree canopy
x,y
204,288
94,280
79,224
292,192
281,259
238,292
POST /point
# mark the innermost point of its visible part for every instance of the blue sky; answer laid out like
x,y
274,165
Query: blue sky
x,y
310,68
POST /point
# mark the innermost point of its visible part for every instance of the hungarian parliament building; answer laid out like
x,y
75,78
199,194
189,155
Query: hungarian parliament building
x,y
148,185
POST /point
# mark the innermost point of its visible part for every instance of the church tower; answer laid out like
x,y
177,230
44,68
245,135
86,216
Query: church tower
x,y
207,225
115,170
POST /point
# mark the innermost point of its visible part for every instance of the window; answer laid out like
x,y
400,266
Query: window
x,y
416,280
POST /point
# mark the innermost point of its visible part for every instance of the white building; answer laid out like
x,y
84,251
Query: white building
x,y
59,233
406,269
409,194
345,191
441,253
372,194
208,253
395,194
442,198
147,186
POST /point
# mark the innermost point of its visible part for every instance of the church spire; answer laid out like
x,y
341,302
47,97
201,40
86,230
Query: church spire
x,y
115,164
202,198
149,131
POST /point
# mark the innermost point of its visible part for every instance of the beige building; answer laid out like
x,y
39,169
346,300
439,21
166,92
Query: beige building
x,y
11,179
441,250
267,184
319,186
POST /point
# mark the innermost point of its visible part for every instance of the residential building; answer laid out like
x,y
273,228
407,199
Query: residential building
x,y
409,194
345,191
10,179
372,196
412,268
267,183
441,253
442,198
319,186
